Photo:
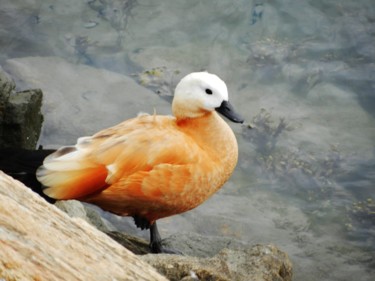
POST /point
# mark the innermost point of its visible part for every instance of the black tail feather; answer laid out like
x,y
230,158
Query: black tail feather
x,y
22,164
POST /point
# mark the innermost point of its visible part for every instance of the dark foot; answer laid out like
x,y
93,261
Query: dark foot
x,y
157,248
155,242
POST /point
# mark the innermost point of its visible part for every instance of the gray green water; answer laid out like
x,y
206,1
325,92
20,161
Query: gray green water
x,y
301,72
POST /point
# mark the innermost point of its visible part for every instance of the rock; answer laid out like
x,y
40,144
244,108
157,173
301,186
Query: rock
x,y
7,86
40,242
134,244
193,244
73,208
76,209
20,116
258,263
23,119
97,220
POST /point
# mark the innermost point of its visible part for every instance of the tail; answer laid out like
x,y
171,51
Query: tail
x,y
71,173
22,165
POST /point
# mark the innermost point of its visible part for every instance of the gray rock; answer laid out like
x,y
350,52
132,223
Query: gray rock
x,y
193,244
134,244
259,262
7,86
73,208
97,220
20,116
76,209
23,119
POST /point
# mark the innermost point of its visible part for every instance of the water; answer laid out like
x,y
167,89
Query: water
x,y
301,72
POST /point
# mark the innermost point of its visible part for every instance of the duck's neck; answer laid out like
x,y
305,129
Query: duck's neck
x,y
212,132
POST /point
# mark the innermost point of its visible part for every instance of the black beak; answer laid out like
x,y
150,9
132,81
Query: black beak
x,y
228,111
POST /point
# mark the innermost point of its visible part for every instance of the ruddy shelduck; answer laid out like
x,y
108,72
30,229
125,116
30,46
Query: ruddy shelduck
x,y
152,166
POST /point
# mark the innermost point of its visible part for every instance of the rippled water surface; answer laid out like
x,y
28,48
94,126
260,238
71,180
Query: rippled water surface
x,y
301,72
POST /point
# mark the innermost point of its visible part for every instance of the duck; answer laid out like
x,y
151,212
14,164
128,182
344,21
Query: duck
x,y
152,166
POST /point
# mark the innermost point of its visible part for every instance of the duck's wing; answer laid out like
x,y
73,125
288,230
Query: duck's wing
x,y
129,150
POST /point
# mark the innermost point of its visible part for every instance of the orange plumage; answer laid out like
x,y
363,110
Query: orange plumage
x,y
151,166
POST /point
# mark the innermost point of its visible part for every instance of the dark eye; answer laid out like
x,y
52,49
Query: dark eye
x,y
208,92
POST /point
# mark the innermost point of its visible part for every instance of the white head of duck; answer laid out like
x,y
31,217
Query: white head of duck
x,y
200,93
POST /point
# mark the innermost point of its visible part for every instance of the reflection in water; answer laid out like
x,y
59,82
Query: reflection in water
x,y
303,75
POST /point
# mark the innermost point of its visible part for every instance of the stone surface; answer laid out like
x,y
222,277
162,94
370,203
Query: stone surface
x,y
20,115
257,263
194,244
40,242
7,86
134,244
23,119
77,209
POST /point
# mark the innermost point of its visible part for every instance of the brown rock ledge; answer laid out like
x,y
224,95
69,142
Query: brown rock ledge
x,y
40,242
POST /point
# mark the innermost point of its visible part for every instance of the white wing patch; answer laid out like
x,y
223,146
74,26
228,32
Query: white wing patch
x,y
67,158
112,170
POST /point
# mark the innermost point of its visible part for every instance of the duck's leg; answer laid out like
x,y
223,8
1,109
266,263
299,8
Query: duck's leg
x,y
155,242
155,239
